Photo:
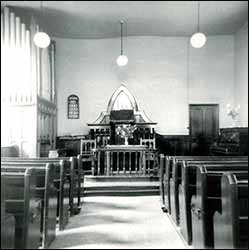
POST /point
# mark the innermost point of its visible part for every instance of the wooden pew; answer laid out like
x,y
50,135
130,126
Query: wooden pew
x,y
21,201
173,178
46,191
73,173
176,176
170,164
231,225
207,201
60,182
187,188
7,222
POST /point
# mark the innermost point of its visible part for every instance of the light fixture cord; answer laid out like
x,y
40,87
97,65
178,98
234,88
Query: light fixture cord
x,y
121,23
198,18
41,14
43,22
41,4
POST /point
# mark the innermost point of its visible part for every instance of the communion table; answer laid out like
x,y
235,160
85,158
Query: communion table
x,y
125,159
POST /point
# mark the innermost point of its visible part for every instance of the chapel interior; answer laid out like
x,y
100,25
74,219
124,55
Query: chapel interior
x,y
124,124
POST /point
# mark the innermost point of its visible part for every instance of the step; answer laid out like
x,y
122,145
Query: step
x,y
119,187
119,178
121,183
121,193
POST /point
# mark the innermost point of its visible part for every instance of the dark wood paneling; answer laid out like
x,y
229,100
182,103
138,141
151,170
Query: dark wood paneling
x,y
173,144
11,151
68,146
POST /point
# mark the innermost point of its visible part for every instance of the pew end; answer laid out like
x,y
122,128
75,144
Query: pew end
x,y
231,225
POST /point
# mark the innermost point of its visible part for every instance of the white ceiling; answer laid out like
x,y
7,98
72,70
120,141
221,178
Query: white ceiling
x,y
100,19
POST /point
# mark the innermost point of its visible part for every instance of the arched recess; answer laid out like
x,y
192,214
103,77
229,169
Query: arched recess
x,y
122,99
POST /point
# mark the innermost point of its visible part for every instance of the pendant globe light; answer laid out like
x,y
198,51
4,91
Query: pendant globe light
x,y
198,39
42,39
122,60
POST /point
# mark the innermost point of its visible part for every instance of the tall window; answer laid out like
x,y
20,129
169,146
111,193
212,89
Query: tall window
x,y
73,111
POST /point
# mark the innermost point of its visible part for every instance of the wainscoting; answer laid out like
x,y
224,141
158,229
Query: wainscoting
x,y
173,144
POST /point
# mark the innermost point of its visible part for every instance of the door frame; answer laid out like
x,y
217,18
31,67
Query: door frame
x,y
203,104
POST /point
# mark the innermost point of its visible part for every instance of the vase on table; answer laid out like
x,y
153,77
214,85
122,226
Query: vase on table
x,y
126,141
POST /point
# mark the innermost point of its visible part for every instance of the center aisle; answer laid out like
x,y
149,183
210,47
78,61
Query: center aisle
x,y
119,222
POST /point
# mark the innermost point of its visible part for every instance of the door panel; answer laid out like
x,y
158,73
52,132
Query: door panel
x,y
196,121
209,122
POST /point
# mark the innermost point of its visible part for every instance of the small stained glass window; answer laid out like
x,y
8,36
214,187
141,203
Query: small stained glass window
x,y
73,111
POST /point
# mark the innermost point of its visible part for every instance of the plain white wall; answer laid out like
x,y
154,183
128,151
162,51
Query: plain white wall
x,y
241,74
164,74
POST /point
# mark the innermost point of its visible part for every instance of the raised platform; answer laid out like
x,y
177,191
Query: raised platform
x,y
120,178
121,186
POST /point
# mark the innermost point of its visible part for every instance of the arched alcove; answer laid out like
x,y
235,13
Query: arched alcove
x,y
122,109
122,99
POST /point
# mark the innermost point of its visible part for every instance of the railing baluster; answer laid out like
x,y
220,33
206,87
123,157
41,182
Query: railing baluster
x,y
112,163
105,167
108,163
130,161
144,162
98,162
150,157
124,162
136,165
117,162
140,162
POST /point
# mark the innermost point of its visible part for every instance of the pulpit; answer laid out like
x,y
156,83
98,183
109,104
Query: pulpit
x,y
118,133
122,110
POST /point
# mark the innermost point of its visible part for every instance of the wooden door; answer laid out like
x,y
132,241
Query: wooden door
x,y
204,127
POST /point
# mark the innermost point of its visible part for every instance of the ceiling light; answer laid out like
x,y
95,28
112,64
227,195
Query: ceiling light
x,y
122,60
42,39
198,39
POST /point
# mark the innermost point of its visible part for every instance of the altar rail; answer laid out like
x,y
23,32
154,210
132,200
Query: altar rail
x,y
126,162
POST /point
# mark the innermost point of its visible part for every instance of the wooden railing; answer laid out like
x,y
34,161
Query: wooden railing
x,y
123,161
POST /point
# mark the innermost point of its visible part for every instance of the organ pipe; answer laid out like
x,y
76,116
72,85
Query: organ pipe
x,y
22,66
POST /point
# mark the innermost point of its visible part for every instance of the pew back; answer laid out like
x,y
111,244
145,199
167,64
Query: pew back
x,y
172,164
187,188
60,182
46,191
178,177
23,204
72,168
7,222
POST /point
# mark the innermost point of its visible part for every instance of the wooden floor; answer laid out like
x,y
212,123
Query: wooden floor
x,y
120,222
